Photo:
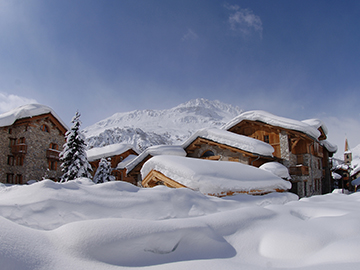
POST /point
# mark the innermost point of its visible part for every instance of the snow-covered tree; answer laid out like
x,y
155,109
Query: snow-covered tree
x,y
73,157
103,173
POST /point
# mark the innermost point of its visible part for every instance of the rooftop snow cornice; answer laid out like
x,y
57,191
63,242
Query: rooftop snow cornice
x,y
156,150
276,121
27,111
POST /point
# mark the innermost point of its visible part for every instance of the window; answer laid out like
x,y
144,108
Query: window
x,y
21,140
9,178
44,128
10,160
52,165
12,141
10,130
208,153
266,138
54,146
18,179
19,160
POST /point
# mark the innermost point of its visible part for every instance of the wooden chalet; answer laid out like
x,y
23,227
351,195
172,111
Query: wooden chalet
x,y
300,145
115,153
215,144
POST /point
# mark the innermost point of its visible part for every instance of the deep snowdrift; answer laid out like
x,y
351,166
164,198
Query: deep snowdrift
x,y
80,225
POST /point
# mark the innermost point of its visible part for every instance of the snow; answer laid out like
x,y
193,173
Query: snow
x,y
316,123
25,111
277,169
144,128
332,148
156,150
115,225
107,151
231,139
214,177
126,161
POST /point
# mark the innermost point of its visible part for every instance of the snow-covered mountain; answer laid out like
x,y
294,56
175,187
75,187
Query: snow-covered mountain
x,y
144,128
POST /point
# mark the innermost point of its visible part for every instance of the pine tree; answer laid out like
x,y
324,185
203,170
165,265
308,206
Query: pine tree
x,y
103,173
73,157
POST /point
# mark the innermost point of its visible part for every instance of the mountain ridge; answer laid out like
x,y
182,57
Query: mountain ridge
x,y
144,128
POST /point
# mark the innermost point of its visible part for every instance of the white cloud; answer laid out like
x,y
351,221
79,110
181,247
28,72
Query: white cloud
x,y
8,102
341,128
244,21
190,35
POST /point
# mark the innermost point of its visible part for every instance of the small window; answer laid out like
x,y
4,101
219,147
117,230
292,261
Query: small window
x,y
266,139
19,161
18,179
208,153
54,146
9,178
44,128
12,141
10,160
52,165
21,140
10,130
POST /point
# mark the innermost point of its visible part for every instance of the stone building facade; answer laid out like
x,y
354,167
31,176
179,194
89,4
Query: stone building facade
x,y
30,148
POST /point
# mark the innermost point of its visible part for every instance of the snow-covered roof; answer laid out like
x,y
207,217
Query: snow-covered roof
x,y
316,123
107,151
125,162
332,148
355,163
309,127
156,150
25,111
241,142
215,177
356,182
336,176
277,169
274,120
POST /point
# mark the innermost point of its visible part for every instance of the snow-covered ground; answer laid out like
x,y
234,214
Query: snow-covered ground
x,y
80,225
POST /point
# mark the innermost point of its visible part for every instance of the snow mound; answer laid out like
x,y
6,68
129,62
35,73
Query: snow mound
x,y
277,169
115,225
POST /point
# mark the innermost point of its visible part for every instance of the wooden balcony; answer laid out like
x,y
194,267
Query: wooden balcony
x,y
52,154
18,149
299,170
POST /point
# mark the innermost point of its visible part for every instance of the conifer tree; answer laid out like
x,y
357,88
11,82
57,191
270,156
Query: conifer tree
x,y
103,173
73,157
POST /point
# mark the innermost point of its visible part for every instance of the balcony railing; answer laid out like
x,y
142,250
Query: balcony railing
x,y
52,154
299,170
18,149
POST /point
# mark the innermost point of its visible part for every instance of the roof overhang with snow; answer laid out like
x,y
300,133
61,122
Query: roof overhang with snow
x,y
108,151
231,141
136,163
29,111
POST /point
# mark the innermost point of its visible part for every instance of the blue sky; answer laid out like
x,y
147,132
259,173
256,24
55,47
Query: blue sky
x,y
298,59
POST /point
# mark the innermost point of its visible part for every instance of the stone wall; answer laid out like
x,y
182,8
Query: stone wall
x,y
35,162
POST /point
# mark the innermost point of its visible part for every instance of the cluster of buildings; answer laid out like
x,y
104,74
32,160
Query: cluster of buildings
x,y
255,153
